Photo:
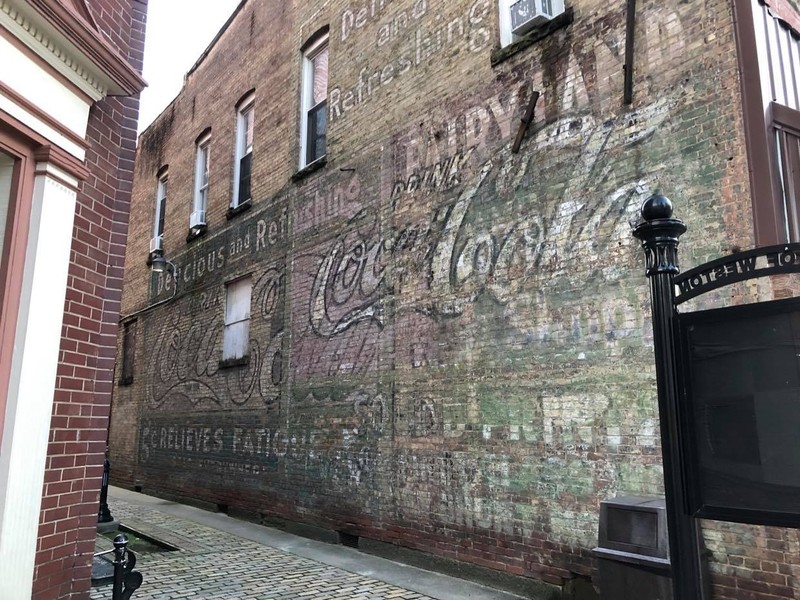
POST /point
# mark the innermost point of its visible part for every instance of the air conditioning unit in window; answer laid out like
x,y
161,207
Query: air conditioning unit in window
x,y
198,219
157,244
527,14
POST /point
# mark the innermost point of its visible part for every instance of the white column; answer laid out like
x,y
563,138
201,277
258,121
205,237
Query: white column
x,y
33,375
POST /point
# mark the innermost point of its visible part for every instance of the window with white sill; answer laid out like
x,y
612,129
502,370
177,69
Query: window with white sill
x,y
314,121
243,159
201,176
157,241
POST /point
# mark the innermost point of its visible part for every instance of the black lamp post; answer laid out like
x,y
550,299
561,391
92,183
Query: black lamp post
x,y
104,514
659,234
159,264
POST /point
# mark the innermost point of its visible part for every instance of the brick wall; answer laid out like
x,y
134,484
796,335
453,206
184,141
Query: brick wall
x,y
86,365
450,344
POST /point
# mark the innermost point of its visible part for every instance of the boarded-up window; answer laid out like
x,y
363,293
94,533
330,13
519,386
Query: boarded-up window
x,y
786,124
236,339
128,352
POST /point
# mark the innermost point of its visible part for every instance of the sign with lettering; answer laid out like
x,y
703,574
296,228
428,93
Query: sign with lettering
x,y
260,234
769,260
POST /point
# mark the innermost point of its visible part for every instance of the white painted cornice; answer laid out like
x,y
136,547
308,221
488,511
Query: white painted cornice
x,y
74,48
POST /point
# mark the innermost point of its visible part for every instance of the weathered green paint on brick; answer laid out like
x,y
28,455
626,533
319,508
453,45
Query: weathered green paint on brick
x,y
450,343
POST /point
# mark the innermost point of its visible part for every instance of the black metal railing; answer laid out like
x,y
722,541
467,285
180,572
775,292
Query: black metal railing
x,y
126,580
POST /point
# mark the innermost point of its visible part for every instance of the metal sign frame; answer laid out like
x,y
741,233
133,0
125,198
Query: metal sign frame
x,y
759,262
659,234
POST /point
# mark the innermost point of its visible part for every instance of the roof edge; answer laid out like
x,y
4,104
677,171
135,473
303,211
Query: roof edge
x,y
213,43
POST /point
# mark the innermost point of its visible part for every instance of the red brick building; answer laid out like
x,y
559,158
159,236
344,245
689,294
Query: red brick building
x,y
397,313
68,113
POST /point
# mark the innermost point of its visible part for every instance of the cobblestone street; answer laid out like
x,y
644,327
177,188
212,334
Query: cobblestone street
x,y
217,562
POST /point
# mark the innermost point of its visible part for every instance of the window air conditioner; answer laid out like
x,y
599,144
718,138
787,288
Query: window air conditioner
x,y
198,219
527,14
157,244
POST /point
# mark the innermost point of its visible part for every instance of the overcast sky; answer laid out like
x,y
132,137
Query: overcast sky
x,y
177,33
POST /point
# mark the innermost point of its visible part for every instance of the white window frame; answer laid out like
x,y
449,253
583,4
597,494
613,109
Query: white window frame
x,y
202,167
504,14
246,108
306,94
162,190
236,336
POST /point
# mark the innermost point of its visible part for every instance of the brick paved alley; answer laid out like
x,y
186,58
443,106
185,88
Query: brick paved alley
x,y
223,558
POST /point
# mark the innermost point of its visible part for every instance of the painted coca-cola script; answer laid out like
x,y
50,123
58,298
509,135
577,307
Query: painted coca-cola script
x,y
459,256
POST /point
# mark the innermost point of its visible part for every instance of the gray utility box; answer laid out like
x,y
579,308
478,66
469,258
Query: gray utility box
x,y
633,553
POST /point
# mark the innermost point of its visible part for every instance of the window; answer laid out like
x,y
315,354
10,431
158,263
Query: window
x,y
244,153
201,168
517,17
236,338
8,166
786,124
506,37
767,51
314,121
157,243
128,352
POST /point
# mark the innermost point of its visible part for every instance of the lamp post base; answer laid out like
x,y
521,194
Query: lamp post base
x,y
107,526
